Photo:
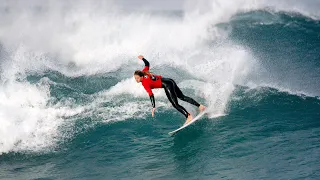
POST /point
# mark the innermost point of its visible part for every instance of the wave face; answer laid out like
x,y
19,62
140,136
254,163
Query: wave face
x,y
70,107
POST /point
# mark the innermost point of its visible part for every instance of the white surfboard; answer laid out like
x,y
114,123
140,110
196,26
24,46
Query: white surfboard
x,y
189,123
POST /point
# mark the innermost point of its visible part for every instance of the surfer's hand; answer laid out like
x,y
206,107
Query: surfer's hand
x,y
153,109
140,57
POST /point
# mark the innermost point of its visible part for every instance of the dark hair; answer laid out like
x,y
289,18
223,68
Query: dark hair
x,y
139,73
142,73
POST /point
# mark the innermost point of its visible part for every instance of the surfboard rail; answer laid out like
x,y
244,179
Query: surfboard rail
x,y
189,123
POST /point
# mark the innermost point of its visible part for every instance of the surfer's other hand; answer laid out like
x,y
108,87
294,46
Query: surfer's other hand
x,y
153,109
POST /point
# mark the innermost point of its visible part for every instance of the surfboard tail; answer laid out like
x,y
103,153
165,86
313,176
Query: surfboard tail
x,y
189,123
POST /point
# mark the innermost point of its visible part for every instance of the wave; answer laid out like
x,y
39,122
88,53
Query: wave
x,y
245,97
286,47
73,63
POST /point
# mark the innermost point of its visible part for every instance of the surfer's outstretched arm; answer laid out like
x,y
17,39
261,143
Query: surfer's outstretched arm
x,y
153,104
146,63
149,91
152,101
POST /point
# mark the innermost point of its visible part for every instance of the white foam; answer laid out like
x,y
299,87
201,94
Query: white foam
x,y
27,122
99,38
127,110
130,86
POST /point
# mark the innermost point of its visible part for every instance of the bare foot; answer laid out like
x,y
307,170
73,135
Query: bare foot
x,y
188,119
202,108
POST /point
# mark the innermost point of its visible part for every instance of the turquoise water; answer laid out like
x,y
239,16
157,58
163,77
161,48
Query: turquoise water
x,y
69,121
275,138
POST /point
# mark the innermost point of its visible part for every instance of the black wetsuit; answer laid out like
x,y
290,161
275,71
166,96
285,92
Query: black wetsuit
x,y
173,92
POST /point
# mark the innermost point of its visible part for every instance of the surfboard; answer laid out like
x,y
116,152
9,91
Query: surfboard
x,y
188,124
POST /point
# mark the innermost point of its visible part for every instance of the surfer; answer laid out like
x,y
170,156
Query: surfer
x,y
151,81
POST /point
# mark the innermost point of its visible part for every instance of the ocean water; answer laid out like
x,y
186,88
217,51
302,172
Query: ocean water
x,y
70,108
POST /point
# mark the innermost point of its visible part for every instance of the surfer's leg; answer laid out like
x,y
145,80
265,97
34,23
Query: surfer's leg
x,y
190,100
174,101
172,96
181,96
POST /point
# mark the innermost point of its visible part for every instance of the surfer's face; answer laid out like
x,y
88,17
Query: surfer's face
x,y
138,78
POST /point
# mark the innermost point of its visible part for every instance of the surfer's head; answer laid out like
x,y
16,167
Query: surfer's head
x,y
138,75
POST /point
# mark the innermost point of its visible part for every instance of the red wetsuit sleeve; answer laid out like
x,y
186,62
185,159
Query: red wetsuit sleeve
x,y
146,68
147,87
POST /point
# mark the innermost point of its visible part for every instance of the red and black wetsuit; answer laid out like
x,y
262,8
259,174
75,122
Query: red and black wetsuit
x,y
172,90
